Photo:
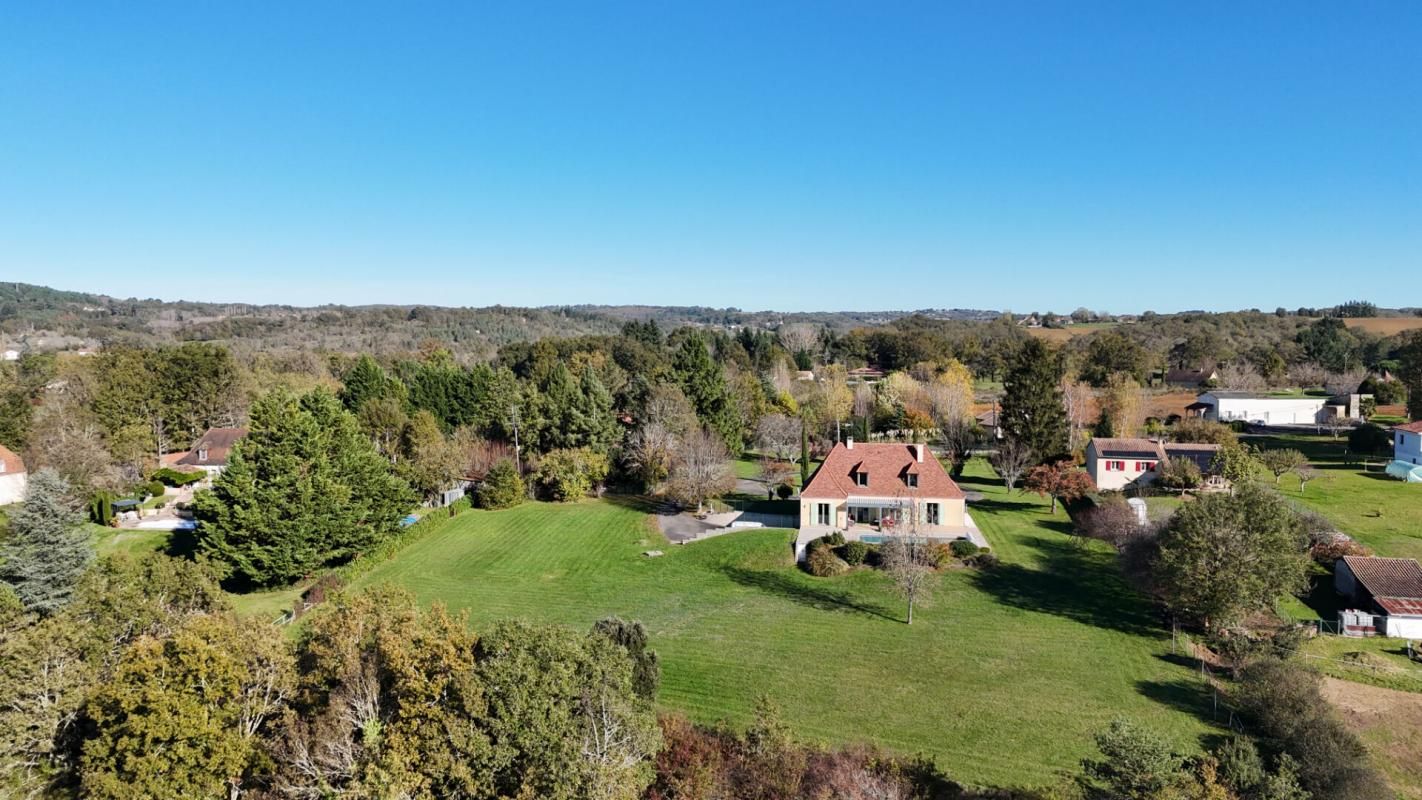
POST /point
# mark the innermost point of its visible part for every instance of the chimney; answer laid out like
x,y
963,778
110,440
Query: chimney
x,y
918,452
849,443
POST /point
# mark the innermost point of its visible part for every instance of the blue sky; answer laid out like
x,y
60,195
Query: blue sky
x,y
823,155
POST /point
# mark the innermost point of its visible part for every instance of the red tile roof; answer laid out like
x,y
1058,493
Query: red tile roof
x,y
12,463
886,466
217,442
1387,577
1138,448
1411,427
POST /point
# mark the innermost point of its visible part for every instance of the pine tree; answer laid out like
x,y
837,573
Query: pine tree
x,y
305,487
366,380
1032,410
705,386
48,549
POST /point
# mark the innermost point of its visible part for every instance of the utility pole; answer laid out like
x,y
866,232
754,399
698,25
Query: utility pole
x,y
518,460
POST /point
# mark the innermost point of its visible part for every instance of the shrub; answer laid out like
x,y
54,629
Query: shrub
x,y
983,560
101,509
940,555
835,539
1370,440
823,563
1328,551
503,487
854,553
962,548
783,491
171,477
572,473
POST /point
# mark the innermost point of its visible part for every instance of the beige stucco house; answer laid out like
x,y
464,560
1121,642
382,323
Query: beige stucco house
x,y
867,490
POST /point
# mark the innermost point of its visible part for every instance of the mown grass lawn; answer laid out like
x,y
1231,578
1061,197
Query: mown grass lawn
x,y
1003,679
1382,513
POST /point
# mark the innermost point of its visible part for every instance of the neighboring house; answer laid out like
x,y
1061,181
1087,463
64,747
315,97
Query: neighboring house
x,y
1389,588
1118,463
1224,406
865,375
13,477
210,452
1407,452
863,489
1189,378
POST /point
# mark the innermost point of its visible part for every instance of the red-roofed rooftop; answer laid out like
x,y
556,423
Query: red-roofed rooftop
x,y
880,470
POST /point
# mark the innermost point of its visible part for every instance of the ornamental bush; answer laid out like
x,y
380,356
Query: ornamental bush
x,y
962,548
854,553
823,563
503,487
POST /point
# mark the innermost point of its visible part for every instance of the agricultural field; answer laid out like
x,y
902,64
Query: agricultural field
x,y
1382,513
1384,326
1003,678
1059,335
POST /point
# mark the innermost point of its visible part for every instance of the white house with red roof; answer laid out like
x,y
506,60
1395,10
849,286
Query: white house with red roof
x,y
865,491
1122,463
13,477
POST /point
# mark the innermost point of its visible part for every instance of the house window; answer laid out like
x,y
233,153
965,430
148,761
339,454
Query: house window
x,y
822,513
930,513
912,480
861,478
1115,466
202,454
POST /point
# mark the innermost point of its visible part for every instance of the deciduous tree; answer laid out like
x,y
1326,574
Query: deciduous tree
x,y
1224,556
1059,480
702,469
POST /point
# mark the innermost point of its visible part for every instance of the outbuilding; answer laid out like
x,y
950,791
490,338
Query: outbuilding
x,y
1389,588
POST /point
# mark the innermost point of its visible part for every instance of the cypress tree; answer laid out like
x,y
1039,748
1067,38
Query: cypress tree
x,y
303,489
1032,409
48,549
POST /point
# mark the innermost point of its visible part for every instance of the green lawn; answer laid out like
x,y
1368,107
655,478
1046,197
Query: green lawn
x,y
1382,513
1003,679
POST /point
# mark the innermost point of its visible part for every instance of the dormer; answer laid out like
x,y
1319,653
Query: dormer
x,y
202,454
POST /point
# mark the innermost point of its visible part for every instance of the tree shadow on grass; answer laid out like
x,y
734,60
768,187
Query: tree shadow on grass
x,y
823,598
182,544
1078,583
641,502
1193,697
1008,506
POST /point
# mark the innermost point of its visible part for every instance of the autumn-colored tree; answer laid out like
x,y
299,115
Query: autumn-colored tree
x,y
1059,480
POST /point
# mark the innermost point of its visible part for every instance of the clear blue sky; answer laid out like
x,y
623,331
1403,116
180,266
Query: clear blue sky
x,y
822,155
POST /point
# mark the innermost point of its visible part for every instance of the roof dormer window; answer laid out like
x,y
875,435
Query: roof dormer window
x,y
911,479
861,478
202,454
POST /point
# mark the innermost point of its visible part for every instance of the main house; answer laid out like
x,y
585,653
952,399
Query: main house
x,y
210,452
1388,588
1407,452
13,477
1120,463
863,490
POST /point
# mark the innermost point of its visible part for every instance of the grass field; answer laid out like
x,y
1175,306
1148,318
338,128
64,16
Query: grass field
x,y
1003,679
1059,335
1380,512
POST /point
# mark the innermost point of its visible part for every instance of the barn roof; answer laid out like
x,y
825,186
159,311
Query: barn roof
x,y
1387,577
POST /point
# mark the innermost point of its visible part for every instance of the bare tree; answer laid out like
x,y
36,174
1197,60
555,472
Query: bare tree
x,y
910,565
1307,375
1011,461
1345,382
1077,399
1305,473
778,436
950,401
650,452
702,469
799,337
775,473
1242,377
